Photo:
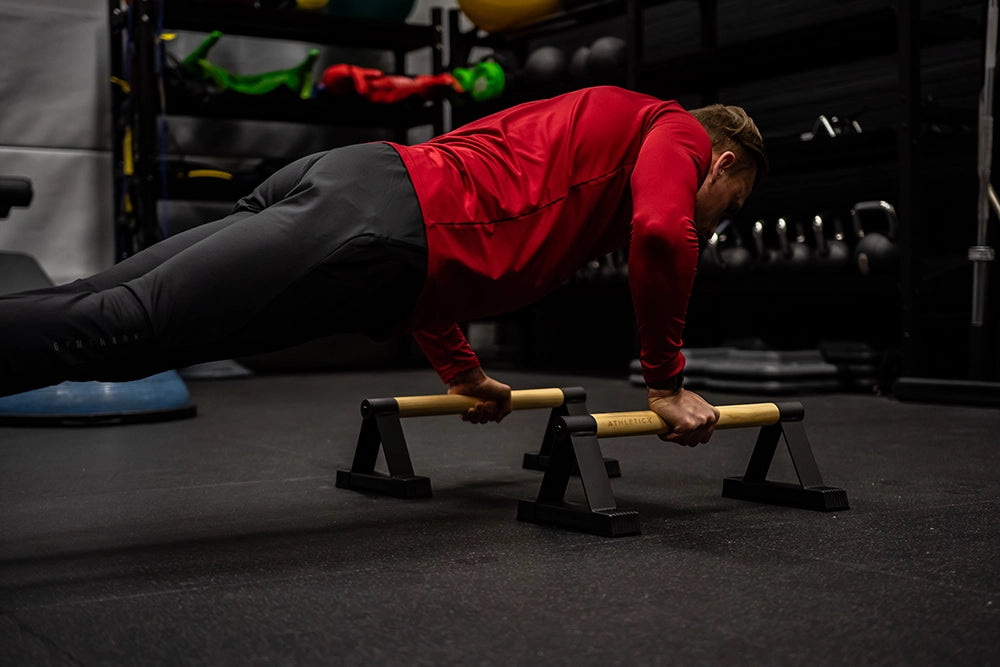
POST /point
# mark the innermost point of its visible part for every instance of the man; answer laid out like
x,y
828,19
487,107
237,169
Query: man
x,y
389,239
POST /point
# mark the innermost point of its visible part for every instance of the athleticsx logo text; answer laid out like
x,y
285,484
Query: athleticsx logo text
x,y
637,420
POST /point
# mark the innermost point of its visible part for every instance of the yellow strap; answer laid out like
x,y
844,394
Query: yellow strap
x,y
210,173
121,83
129,165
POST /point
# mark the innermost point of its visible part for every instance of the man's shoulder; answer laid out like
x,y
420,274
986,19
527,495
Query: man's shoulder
x,y
624,95
620,110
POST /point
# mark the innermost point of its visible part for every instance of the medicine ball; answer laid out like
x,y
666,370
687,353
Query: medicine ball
x,y
499,15
578,63
545,64
607,58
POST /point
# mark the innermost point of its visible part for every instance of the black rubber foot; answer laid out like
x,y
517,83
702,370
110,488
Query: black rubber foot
x,y
401,486
606,523
535,461
819,498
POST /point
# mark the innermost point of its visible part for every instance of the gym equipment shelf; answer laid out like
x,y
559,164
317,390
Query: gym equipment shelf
x,y
300,26
139,100
286,107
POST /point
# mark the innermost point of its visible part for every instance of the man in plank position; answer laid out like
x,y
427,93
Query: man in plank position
x,y
389,239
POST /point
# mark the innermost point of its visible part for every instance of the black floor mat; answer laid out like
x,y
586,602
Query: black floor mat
x,y
222,540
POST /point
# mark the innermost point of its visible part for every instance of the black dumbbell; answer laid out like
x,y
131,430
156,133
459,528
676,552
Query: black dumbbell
x,y
830,128
876,252
830,252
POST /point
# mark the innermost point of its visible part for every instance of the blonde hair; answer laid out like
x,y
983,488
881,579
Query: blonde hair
x,y
731,129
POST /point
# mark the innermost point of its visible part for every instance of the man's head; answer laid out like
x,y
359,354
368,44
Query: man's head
x,y
738,163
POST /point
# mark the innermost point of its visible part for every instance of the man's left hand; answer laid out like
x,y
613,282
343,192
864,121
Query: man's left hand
x,y
495,403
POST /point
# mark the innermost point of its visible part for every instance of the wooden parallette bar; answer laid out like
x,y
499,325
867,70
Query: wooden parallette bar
x,y
576,439
454,404
382,431
647,422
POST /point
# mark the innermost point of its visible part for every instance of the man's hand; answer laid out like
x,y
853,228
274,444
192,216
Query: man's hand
x,y
691,417
496,396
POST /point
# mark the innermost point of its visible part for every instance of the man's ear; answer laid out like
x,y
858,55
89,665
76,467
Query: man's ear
x,y
727,159
721,162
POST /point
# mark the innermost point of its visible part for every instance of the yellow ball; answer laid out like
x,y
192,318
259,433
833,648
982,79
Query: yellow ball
x,y
499,15
311,5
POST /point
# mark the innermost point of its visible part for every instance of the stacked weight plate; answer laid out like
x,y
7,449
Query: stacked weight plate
x,y
834,367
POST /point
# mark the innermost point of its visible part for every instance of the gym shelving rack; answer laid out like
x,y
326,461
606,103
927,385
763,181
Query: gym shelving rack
x,y
136,112
896,30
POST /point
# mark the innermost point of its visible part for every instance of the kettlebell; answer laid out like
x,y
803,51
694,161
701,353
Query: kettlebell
x,y
710,261
735,257
766,257
794,252
876,252
578,64
831,252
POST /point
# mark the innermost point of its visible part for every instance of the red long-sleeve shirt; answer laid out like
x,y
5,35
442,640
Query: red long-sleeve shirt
x,y
515,203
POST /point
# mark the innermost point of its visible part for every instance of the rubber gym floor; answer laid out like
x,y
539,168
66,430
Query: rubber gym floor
x,y
222,540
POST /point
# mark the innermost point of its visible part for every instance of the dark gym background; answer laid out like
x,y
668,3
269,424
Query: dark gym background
x,y
222,540
788,64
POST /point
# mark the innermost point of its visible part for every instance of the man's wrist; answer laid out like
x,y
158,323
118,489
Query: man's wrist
x,y
673,383
469,376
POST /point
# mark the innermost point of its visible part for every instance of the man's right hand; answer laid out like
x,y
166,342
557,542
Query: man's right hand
x,y
691,418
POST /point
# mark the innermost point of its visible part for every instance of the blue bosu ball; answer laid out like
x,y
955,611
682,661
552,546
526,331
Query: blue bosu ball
x,y
156,398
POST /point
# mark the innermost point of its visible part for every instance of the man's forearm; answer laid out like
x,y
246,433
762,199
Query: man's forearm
x,y
447,350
